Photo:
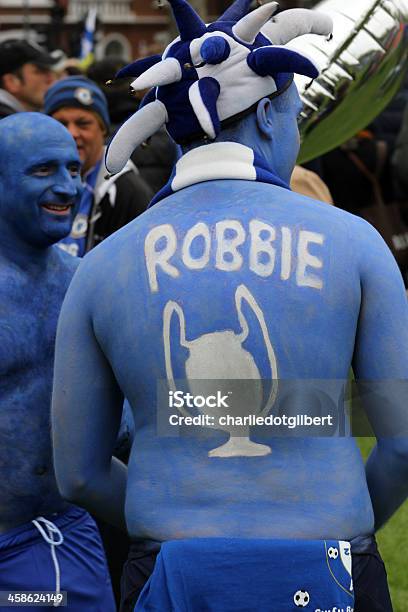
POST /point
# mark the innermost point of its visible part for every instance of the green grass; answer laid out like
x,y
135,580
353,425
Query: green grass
x,y
393,544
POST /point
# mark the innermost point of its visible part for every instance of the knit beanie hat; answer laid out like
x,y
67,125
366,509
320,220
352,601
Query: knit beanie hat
x,y
77,92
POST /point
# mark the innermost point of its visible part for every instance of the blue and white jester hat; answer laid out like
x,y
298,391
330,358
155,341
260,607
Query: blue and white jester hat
x,y
212,74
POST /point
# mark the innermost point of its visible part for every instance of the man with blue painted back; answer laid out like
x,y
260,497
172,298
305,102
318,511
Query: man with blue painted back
x,y
230,277
46,544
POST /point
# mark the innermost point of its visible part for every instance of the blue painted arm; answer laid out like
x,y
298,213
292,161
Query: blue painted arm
x,y
381,364
86,409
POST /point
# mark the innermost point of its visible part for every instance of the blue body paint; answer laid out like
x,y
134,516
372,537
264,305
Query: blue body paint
x,y
320,284
39,187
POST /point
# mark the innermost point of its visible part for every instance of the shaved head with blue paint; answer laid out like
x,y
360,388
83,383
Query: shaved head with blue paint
x,y
39,179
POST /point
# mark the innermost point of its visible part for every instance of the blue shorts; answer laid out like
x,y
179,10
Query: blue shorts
x,y
29,563
239,575
369,576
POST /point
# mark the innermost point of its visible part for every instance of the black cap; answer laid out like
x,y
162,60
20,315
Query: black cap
x,y
14,53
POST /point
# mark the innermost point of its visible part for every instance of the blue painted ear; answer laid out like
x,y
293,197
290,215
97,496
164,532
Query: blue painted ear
x,y
236,11
190,25
215,50
137,68
203,96
268,61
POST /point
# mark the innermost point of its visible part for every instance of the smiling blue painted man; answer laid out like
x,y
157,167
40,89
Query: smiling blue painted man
x,y
46,544
230,276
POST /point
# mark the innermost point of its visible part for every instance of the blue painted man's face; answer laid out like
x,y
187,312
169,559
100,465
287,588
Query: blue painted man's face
x,y
40,182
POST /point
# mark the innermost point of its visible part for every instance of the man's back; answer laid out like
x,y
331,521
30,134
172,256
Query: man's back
x,y
225,282
177,271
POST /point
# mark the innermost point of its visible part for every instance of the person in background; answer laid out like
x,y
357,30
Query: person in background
x,y
154,159
46,544
106,205
26,72
350,188
310,184
70,66
376,146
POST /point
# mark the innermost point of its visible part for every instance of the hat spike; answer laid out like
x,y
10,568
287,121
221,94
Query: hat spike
x,y
165,72
270,61
247,28
295,22
138,128
189,23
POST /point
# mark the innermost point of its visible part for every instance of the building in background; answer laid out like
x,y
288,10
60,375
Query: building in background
x,y
128,28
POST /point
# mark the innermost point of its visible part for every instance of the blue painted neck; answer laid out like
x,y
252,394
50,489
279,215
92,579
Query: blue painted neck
x,y
16,250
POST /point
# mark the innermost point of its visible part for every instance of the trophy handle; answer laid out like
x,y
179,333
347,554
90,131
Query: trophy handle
x,y
170,308
243,293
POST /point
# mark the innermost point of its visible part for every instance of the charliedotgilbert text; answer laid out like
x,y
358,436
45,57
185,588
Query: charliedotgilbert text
x,y
251,420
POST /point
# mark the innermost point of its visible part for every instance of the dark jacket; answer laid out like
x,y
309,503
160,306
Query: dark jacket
x,y
117,201
155,161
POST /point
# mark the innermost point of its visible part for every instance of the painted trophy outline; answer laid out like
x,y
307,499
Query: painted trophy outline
x,y
240,445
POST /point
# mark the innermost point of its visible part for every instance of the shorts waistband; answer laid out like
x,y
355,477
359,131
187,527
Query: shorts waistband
x,y
364,545
27,533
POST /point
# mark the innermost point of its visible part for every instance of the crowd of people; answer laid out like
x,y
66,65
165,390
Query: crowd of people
x,y
33,80
224,230
347,176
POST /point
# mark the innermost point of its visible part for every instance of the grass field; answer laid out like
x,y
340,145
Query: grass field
x,y
393,545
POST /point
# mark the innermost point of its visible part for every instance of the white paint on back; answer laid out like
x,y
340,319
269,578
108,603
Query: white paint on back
x,y
155,259
196,263
219,356
261,245
229,245
305,278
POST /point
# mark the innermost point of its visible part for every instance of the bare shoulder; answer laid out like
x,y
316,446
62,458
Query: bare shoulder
x,y
105,268
356,226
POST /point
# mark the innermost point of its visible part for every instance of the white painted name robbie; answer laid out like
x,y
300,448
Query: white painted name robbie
x,y
223,251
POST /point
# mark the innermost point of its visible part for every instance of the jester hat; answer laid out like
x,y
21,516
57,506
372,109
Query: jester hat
x,y
213,74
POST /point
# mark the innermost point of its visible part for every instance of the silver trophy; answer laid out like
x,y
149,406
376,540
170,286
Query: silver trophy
x,y
218,363
362,67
